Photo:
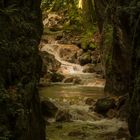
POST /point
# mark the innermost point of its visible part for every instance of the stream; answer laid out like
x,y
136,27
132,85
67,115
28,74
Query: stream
x,y
85,124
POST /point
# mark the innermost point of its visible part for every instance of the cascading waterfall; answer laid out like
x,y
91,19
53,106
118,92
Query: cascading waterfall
x,y
85,123
66,67
71,69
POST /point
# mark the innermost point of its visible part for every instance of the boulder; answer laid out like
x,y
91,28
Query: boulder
x,y
112,113
90,101
80,52
68,53
49,63
48,108
89,68
73,79
63,116
98,68
103,105
85,58
56,77
121,101
122,107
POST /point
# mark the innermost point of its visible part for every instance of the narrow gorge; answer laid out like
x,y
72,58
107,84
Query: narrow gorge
x,y
69,70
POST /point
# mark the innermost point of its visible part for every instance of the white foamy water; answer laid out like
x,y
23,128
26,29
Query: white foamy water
x,y
66,67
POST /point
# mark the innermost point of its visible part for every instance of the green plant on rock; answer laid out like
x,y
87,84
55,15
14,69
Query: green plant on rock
x,y
87,39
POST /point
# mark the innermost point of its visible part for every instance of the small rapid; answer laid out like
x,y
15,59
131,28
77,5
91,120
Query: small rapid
x,y
73,70
66,67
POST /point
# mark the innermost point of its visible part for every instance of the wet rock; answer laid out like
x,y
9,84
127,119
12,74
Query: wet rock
x,y
68,80
80,52
122,101
58,37
49,63
103,105
122,107
111,113
57,77
89,68
85,58
98,68
68,53
73,79
63,116
95,56
43,82
48,108
63,41
77,43
90,101
77,80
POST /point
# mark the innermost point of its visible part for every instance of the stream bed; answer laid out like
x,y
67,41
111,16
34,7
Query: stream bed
x,y
80,121
85,124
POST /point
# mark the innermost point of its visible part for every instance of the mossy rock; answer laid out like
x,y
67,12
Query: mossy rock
x,y
103,105
57,77
85,58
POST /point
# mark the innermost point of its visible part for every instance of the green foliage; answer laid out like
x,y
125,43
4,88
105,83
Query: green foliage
x,y
56,5
72,14
87,39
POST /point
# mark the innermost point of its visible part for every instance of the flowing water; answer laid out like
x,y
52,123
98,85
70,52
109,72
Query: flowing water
x,y
66,67
85,124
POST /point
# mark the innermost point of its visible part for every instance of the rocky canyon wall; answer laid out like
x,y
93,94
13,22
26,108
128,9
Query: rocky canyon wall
x,y
20,66
123,57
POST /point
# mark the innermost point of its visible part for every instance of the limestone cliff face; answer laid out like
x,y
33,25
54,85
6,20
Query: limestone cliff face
x,y
122,70
20,65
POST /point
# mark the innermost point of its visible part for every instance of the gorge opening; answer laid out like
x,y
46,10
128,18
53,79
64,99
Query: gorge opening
x,y
74,104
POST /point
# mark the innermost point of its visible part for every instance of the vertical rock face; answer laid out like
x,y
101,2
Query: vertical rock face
x,y
20,65
115,47
123,71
